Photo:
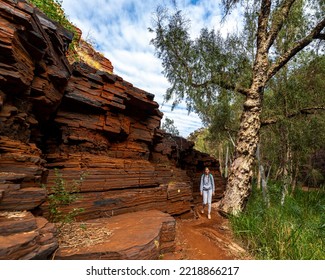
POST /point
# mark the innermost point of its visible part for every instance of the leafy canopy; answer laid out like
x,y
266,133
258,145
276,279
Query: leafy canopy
x,y
169,127
209,71
196,69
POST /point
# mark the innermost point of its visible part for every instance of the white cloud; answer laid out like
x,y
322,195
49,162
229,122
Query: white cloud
x,y
120,31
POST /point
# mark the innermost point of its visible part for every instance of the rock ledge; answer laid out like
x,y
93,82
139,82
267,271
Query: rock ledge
x,y
133,236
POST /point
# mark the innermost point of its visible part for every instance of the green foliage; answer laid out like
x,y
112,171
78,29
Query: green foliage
x,y
53,9
197,69
169,127
208,73
83,226
293,231
201,143
295,99
203,71
63,194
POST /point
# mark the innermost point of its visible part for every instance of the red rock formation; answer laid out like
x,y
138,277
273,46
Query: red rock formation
x,y
33,75
142,235
21,174
22,236
88,55
181,153
81,120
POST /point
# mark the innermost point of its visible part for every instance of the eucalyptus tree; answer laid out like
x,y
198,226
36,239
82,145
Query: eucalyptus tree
x,y
294,119
286,94
169,127
198,70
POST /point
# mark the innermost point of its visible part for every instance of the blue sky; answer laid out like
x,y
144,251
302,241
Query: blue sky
x,y
119,30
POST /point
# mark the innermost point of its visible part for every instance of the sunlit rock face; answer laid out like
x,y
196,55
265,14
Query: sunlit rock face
x,y
79,120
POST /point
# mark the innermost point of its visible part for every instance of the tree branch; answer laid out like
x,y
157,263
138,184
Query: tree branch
x,y
278,20
223,84
283,60
304,111
213,81
263,19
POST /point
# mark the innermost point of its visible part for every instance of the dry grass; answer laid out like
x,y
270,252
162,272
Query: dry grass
x,y
82,234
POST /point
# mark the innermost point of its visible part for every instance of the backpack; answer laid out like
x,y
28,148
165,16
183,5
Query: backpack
x,y
211,178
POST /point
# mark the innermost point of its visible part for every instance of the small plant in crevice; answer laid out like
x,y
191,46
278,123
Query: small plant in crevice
x,y
62,194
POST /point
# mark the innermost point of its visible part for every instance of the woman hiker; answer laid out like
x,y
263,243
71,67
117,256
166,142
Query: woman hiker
x,y
207,189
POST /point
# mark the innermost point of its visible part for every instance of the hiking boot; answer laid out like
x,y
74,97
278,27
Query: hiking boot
x,y
209,217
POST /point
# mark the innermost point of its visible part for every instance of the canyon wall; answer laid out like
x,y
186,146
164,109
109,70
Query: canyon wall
x,y
79,121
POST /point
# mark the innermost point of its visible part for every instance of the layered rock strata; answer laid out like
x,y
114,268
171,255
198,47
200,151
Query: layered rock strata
x,y
23,236
34,72
80,120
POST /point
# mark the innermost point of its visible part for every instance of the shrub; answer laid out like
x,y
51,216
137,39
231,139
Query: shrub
x,y
62,194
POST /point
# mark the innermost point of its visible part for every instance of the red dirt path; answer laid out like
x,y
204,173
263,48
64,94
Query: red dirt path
x,y
203,239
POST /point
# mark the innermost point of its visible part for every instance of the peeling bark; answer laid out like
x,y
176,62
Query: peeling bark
x,y
240,176
241,171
